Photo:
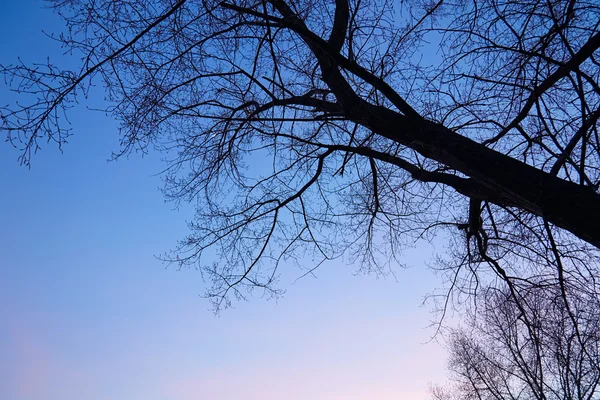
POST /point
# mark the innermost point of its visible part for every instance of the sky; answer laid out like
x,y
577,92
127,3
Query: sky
x,y
88,312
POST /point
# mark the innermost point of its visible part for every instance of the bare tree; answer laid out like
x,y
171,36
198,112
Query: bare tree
x,y
315,129
539,347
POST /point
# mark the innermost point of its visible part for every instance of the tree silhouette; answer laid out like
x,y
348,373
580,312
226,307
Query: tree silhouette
x,y
546,346
311,130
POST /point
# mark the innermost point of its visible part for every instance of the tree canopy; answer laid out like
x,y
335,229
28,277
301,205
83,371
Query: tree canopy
x,y
311,130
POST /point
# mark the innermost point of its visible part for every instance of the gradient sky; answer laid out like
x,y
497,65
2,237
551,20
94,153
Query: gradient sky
x,y
87,312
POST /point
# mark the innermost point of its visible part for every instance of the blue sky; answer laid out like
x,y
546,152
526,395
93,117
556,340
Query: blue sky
x,y
88,312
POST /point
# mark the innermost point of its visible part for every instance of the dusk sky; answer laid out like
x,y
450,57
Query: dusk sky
x,y
88,312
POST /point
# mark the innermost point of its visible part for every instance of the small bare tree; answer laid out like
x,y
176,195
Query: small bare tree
x,y
541,346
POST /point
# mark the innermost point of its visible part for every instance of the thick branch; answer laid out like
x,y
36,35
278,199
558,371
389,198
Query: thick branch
x,y
340,25
565,204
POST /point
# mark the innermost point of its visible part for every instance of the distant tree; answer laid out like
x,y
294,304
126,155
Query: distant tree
x,y
543,346
312,129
